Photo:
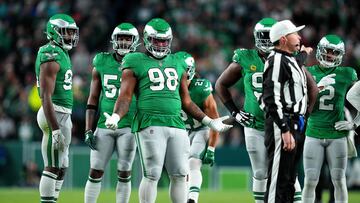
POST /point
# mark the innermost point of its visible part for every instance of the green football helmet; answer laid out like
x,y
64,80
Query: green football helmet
x,y
190,62
62,30
262,34
330,51
158,37
125,38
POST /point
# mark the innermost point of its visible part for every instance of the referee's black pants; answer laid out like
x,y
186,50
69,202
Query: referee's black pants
x,y
282,169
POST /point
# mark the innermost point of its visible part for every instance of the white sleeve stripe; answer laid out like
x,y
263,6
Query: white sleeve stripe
x,y
277,84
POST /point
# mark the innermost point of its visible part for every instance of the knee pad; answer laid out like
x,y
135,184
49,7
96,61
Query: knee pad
x,y
153,174
195,164
311,174
177,179
337,174
260,173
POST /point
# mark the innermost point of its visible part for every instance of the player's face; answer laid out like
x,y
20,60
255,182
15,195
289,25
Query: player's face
x,y
293,41
331,54
69,34
160,42
125,40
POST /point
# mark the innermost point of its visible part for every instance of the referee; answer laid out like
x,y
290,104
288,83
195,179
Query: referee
x,y
285,101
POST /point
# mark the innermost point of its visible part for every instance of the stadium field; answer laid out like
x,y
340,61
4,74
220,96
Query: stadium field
x,y
19,195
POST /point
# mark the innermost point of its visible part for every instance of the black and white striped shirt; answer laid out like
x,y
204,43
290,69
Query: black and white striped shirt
x,y
284,87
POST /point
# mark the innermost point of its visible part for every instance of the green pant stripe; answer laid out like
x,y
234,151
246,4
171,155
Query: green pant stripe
x,y
297,199
97,180
259,198
297,193
194,189
47,198
137,139
124,180
44,174
56,157
48,148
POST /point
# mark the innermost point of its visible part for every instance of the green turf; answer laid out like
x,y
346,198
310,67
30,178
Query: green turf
x,y
19,195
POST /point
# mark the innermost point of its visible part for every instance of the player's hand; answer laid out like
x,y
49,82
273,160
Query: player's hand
x,y
308,50
345,125
244,119
209,157
58,140
216,124
288,141
326,81
112,121
90,139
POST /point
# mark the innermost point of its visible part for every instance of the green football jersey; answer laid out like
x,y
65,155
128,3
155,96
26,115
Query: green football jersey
x,y
157,90
252,74
63,93
199,90
329,106
110,73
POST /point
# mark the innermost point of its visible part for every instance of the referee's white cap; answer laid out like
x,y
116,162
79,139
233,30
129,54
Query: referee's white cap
x,y
283,28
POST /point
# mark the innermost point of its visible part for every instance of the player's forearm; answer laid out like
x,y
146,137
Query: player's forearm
x,y
353,95
49,112
313,91
222,91
90,118
192,109
213,138
122,107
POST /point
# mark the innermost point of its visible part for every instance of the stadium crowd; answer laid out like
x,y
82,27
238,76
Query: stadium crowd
x,y
209,30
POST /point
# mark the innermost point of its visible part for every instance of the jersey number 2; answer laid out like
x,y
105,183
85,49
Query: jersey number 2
x,y
327,97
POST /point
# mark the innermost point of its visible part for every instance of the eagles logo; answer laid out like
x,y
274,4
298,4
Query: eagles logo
x,y
253,68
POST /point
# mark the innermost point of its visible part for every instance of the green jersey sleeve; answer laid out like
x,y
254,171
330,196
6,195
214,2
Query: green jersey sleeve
x,y
50,53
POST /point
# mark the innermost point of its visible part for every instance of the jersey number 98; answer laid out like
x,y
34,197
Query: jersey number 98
x,y
157,77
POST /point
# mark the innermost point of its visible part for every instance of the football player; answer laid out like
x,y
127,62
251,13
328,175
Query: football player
x,y
54,81
159,81
327,128
104,90
249,65
202,140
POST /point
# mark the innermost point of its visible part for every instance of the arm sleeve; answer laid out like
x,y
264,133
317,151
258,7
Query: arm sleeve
x,y
353,95
274,79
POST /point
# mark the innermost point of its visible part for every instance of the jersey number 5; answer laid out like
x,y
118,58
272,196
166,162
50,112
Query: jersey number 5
x,y
156,76
110,89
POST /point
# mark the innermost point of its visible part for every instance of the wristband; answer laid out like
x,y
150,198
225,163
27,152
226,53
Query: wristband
x,y
90,106
210,148
206,120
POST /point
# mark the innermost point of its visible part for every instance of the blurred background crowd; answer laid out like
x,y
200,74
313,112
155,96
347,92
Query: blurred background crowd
x,y
208,29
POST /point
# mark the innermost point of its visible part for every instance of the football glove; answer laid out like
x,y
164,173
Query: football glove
x,y
216,124
58,140
244,119
326,81
90,139
345,125
209,157
112,121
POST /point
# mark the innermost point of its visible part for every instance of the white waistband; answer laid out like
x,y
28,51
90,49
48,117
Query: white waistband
x,y
61,109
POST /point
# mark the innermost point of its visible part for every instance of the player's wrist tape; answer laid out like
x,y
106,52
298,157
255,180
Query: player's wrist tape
x,y
88,131
115,116
90,106
206,120
210,148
